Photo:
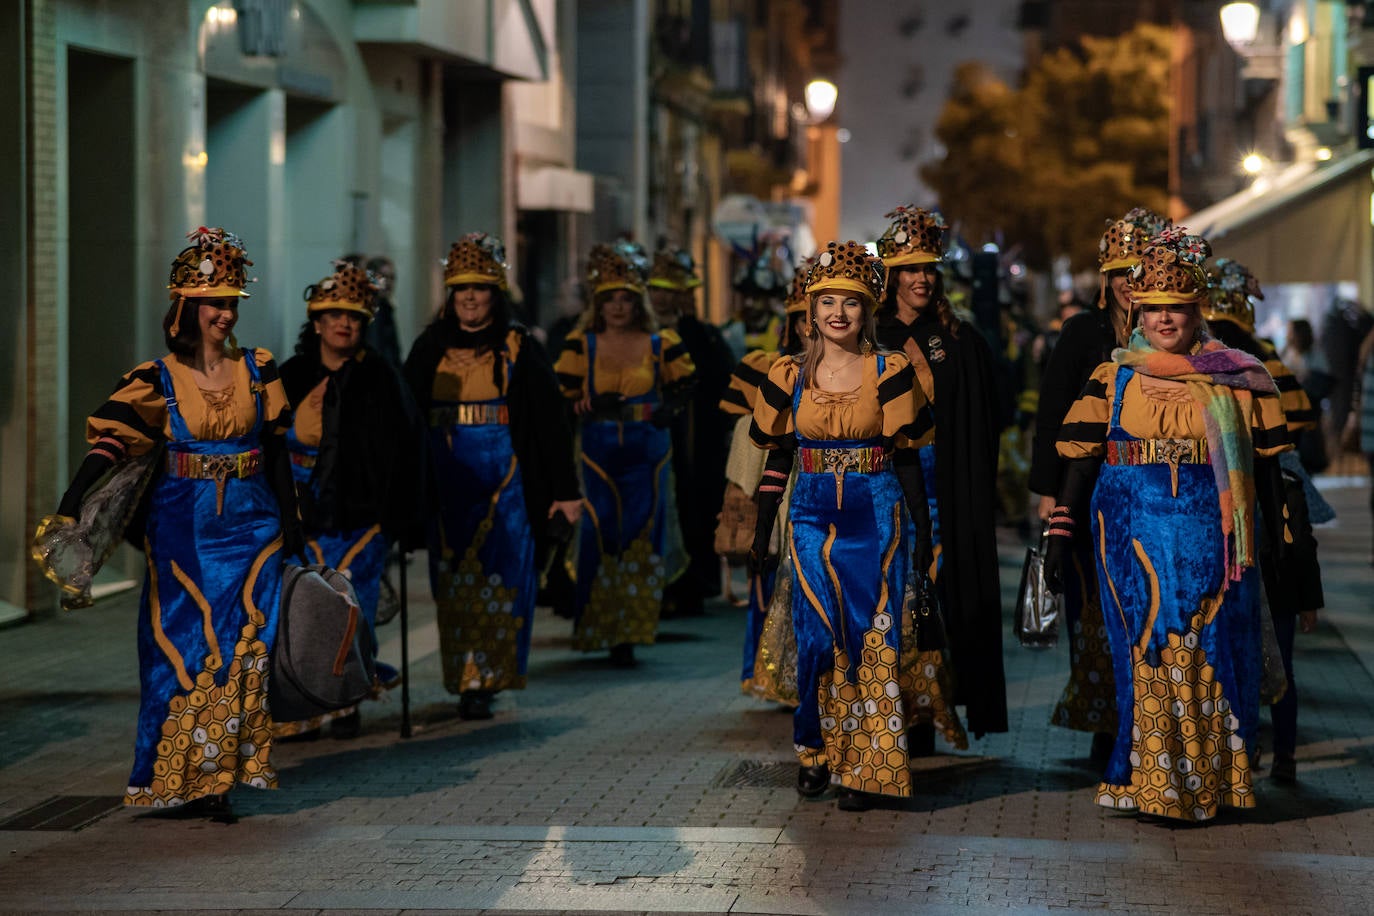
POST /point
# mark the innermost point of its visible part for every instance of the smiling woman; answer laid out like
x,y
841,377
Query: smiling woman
x,y
851,419
1175,439
221,514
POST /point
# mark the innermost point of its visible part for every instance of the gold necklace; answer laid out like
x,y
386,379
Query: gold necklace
x,y
830,377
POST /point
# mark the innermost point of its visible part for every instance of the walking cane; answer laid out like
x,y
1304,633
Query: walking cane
x,y
405,651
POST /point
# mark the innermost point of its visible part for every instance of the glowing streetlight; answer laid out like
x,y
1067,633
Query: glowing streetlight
x,y
821,96
1323,153
1253,164
1239,23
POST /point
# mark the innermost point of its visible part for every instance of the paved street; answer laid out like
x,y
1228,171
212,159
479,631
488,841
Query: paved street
x,y
662,789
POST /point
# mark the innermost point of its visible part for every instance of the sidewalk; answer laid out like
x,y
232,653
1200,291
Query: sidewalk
x,y
662,789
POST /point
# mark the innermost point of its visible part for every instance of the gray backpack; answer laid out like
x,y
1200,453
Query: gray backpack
x,y
323,659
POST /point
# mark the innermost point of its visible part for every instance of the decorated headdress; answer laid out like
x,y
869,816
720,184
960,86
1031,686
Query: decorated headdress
x,y
1231,291
767,270
348,289
211,267
674,269
622,265
797,299
476,258
916,236
847,266
1123,244
1170,269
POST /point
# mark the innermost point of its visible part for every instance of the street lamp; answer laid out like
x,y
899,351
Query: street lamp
x,y
1253,164
1239,23
821,96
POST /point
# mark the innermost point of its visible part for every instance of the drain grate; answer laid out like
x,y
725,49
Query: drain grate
x,y
64,812
758,774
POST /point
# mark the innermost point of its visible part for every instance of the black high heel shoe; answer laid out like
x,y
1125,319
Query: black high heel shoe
x,y
812,781
852,800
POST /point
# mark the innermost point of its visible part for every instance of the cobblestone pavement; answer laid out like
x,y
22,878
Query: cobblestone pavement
x,y
599,789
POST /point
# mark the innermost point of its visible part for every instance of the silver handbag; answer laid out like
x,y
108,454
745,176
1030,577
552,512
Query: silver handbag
x,y
1037,608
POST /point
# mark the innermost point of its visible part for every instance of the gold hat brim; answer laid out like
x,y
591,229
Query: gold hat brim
x,y
797,305
1117,264
617,284
841,283
908,258
329,305
207,292
1163,297
662,283
473,277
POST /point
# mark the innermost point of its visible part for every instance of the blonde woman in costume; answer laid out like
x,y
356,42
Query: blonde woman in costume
x,y
851,418
219,508
1184,430
626,380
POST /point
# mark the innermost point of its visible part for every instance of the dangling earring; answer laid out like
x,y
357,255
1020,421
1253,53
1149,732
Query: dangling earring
x,y
175,329
865,346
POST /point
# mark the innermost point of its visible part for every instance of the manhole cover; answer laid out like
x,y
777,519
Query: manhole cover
x,y
64,812
758,774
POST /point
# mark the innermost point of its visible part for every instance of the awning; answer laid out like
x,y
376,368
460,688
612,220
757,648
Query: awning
x,y
1308,224
550,187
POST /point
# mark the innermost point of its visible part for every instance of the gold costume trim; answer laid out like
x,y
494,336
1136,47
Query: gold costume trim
x,y
215,659
1153,579
155,617
255,615
358,546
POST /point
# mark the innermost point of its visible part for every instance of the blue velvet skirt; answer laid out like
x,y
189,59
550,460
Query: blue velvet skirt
x,y
205,636
481,559
851,559
621,565
1185,644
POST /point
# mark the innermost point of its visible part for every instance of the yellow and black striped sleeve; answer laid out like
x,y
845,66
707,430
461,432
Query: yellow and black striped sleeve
x,y
1084,431
277,415
134,419
743,392
907,418
1297,406
1268,426
774,426
676,362
571,366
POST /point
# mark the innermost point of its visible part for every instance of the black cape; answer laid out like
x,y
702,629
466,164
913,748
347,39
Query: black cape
x,y
370,449
967,431
701,444
1085,342
539,428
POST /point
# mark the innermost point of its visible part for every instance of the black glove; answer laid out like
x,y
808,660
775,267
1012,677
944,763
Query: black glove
x,y
1056,559
93,467
771,488
676,399
607,402
907,466
1080,474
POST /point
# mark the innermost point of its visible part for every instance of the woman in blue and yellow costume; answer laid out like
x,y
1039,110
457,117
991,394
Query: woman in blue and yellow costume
x,y
626,380
1088,703
852,418
218,507
956,370
769,668
355,451
502,464
1184,430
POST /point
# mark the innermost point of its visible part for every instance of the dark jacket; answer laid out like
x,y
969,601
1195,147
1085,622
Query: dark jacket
x,y
1086,341
370,449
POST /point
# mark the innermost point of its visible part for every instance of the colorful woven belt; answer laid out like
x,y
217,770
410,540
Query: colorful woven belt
x,y
1172,452
302,460
218,468
863,460
470,415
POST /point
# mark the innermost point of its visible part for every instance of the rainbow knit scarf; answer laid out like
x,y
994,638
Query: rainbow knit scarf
x,y
1213,376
